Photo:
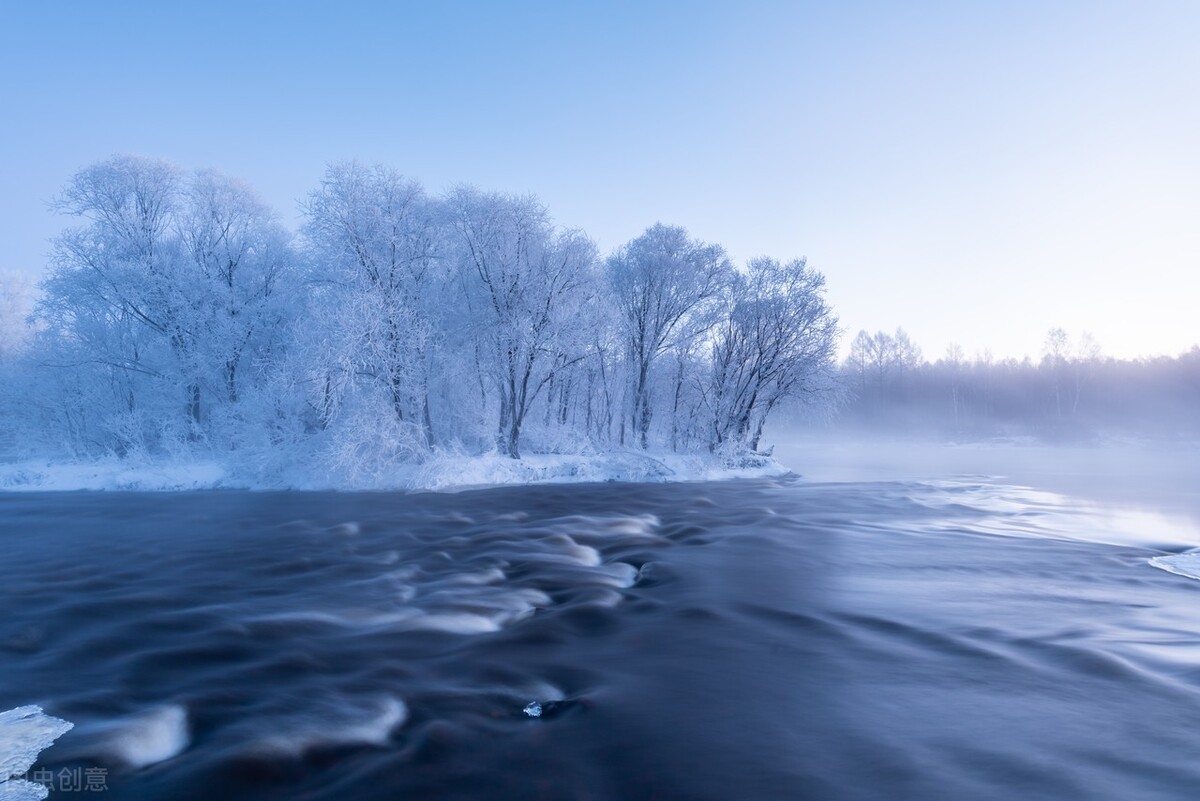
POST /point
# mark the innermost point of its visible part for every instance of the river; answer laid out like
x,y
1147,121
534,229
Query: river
x,y
958,637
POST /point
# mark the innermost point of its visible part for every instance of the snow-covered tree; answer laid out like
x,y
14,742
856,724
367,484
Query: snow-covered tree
x,y
157,308
241,255
662,283
521,282
112,303
376,246
777,340
1055,359
16,303
1071,365
17,295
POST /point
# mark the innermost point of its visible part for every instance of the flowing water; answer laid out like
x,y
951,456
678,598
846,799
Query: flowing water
x,y
770,639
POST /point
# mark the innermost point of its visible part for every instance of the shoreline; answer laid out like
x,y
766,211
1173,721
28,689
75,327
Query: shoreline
x,y
441,473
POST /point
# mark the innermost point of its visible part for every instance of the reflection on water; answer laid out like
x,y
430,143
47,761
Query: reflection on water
x,y
766,639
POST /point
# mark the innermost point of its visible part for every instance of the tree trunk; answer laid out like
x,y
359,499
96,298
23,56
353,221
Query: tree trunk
x,y
591,393
426,420
675,408
231,380
397,397
327,403
644,424
564,402
503,430
641,405
549,400
514,438
193,410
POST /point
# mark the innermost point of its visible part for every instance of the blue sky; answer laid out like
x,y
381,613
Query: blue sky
x,y
976,172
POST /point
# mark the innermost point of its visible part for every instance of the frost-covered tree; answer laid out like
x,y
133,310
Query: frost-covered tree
x,y
776,340
377,249
521,282
858,362
1055,359
952,363
112,303
662,283
240,254
1071,366
906,355
17,294
160,304
16,304
880,362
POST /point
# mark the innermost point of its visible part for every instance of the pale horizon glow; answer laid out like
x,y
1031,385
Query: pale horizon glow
x,y
974,175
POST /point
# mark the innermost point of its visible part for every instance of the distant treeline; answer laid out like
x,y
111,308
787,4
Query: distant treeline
x,y
1072,391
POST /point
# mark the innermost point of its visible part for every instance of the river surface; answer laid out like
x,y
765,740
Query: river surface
x,y
765,639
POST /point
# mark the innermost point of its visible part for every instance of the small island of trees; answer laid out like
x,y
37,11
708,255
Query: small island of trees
x,y
180,316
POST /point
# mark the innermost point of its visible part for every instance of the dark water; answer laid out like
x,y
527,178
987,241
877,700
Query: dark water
x,y
742,640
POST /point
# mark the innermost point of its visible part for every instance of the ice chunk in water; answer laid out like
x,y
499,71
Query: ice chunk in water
x,y
1181,564
533,709
25,732
21,790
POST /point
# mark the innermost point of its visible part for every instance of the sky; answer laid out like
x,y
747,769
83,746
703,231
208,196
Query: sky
x,y
975,172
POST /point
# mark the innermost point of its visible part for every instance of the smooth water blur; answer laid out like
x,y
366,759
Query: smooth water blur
x,y
757,640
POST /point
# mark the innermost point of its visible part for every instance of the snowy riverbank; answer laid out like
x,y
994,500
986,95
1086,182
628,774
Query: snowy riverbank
x,y
442,472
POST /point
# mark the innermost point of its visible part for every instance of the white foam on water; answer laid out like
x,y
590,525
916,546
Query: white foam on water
x,y
479,611
25,732
568,551
327,726
475,614
634,526
308,616
450,622
529,597
1181,564
643,527
602,598
543,691
490,576
616,574
410,619
146,738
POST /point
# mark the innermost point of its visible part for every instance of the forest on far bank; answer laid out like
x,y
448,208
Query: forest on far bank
x,y
1072,392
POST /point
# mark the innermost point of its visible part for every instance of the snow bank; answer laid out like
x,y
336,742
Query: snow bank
x,y
112,474
440,472
463,472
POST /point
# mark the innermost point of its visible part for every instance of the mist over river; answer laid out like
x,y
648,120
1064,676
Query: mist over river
x,y
954,637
